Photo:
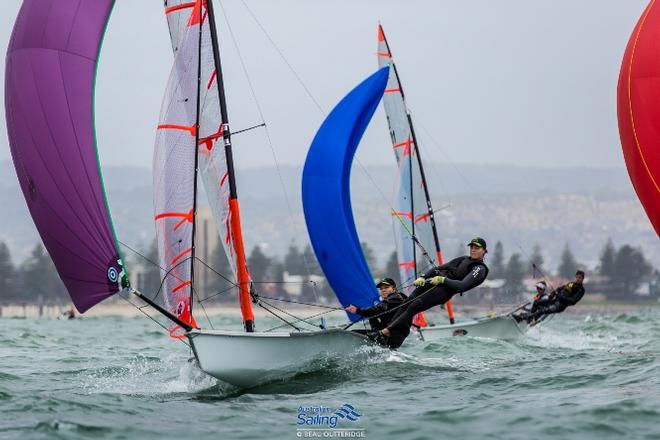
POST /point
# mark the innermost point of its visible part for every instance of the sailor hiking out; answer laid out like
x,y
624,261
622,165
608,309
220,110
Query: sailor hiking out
x,y
558,301
440,284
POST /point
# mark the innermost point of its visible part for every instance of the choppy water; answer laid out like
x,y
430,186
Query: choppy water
x,y
121,378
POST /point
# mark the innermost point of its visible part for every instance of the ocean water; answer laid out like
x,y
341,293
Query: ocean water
x,y
582,377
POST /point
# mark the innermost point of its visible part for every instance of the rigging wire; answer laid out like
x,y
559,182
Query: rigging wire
x,y
312,98
269,139
261,304
234,286
316,315
469,184
150,317
321,306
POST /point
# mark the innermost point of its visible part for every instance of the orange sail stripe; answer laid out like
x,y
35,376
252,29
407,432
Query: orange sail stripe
x,y
381,35
403,214
179,7
407,142
195,14
191,129
224,177
384,54
407,146
241,266
407,264
181,286
183,221
208,140
422,218
398,89
210,83
178,257
187,215
183,313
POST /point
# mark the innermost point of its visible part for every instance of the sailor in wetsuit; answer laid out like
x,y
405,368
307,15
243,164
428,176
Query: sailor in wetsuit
x,y
381,314
438,285
564,296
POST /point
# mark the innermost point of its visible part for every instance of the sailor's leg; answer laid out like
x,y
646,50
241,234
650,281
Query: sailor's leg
x,y
553,307
396,338
543,302
432,297
413,295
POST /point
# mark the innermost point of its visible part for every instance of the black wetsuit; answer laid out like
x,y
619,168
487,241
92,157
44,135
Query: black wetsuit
x,y
381,314
462,274
558,301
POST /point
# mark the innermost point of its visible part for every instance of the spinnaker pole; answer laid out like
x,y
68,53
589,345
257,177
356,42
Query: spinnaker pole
x,y
243,276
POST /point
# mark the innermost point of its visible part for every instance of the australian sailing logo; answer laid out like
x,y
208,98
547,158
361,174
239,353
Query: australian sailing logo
x,y
323,421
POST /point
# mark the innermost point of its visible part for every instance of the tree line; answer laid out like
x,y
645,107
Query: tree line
x,y
33,281
622,271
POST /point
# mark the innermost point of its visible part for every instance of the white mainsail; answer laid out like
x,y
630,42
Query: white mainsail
x,y
413,216
411,202
195,20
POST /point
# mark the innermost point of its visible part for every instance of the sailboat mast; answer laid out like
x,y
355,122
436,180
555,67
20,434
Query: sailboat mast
x,y
234,211
431,215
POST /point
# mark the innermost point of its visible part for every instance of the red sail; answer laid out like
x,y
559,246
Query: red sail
x,y
638,108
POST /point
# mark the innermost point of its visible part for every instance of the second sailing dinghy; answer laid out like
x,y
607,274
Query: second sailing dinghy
x,y
415,231
194,138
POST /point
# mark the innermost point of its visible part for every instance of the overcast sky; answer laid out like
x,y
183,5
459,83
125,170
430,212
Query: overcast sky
x,y
509,81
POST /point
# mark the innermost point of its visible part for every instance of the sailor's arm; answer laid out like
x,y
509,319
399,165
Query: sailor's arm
x,y
471,280
367,311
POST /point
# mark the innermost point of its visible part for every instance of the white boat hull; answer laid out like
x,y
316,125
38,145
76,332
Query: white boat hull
x,y
248,359
498,327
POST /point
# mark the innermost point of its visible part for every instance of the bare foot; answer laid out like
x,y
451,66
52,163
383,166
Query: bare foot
x,y
385,332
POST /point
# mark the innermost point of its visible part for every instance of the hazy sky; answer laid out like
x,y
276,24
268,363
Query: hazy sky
x,y
508,81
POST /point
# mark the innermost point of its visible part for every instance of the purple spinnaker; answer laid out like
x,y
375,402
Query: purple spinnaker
x,y
49,93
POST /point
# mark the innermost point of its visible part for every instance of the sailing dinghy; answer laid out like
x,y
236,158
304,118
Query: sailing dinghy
x,y
193,138
50,73
413,217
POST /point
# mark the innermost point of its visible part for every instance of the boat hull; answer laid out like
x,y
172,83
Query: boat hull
x,y
248,359
498,327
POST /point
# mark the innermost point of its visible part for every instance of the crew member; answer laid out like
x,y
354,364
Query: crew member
x,y
563,297
438,285
381,314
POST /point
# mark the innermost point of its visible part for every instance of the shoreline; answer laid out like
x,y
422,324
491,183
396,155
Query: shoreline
x,y
128,310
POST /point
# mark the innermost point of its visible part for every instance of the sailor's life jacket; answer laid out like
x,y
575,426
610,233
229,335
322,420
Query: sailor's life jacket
x,y
570,294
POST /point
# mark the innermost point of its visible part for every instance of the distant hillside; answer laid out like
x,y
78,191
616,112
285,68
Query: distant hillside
x,y
519,206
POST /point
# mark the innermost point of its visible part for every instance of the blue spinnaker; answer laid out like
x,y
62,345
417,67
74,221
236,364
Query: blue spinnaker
x,y
326,193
